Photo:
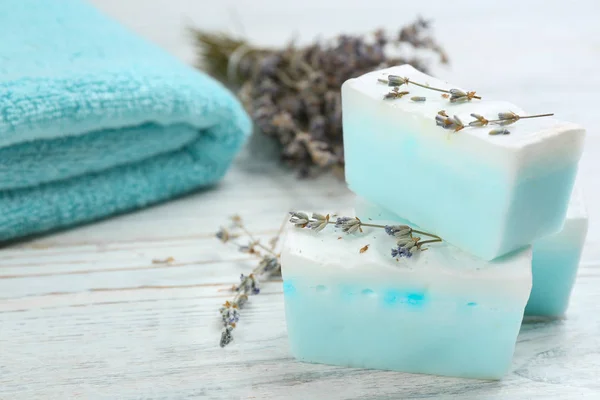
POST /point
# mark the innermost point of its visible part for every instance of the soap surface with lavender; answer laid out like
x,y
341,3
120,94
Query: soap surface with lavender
x,y
441,311
486,194
555,262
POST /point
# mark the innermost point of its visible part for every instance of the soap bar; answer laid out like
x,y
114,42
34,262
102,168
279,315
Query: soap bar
x,y
555,257
486,194
442,311
555,263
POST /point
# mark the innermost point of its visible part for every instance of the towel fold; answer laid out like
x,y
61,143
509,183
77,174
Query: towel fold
x,y
96,121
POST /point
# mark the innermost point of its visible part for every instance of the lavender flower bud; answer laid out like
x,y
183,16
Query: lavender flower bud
x,y
457,96
242,300
347,224
395,80
319,222
403,233
249,284
269,263
507,115
403,242
398,230
441,121
480,120
400,252
223,235
299,219
507,118
458,125
226,336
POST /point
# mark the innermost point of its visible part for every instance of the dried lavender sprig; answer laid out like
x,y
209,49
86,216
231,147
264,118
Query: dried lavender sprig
x,y
406,243
249,284
456,95
504,118
507,118
342,222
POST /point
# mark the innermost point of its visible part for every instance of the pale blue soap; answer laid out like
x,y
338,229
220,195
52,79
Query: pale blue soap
x,y
487,195
442,312
555,263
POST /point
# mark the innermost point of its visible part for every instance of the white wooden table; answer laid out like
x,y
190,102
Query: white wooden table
x,y
87,314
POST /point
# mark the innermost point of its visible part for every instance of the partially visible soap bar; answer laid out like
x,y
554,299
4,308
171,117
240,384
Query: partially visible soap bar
x,y
555,263
442,311
485,194
555,257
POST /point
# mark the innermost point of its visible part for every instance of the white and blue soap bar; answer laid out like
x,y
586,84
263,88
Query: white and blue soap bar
x,y
556,261
442,311
487,195
555,257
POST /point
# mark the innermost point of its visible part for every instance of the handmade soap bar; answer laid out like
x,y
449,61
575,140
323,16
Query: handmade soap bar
x,y
555,257
486,194
555,263
441,312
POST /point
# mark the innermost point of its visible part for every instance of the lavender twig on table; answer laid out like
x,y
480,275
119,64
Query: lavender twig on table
x,y
268,266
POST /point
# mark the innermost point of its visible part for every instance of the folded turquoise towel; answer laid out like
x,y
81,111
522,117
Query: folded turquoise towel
x,y
96,121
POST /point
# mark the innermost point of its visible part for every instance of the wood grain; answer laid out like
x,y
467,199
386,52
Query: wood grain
x,y
85,313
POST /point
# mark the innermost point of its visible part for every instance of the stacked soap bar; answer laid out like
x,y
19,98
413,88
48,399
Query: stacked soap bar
x,y
364,300
555,257
486,194
555,263
442,312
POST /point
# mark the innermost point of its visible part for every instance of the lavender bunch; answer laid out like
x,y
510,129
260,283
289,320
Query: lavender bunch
x,y
293,93
268,266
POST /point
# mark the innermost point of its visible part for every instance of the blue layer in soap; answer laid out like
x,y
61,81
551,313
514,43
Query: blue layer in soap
x,y
476,207
403,329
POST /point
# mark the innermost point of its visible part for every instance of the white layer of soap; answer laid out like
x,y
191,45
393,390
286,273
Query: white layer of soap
x,y
486,194
442,311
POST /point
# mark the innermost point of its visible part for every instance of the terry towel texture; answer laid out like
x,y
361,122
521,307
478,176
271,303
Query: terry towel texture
x,y
96,121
